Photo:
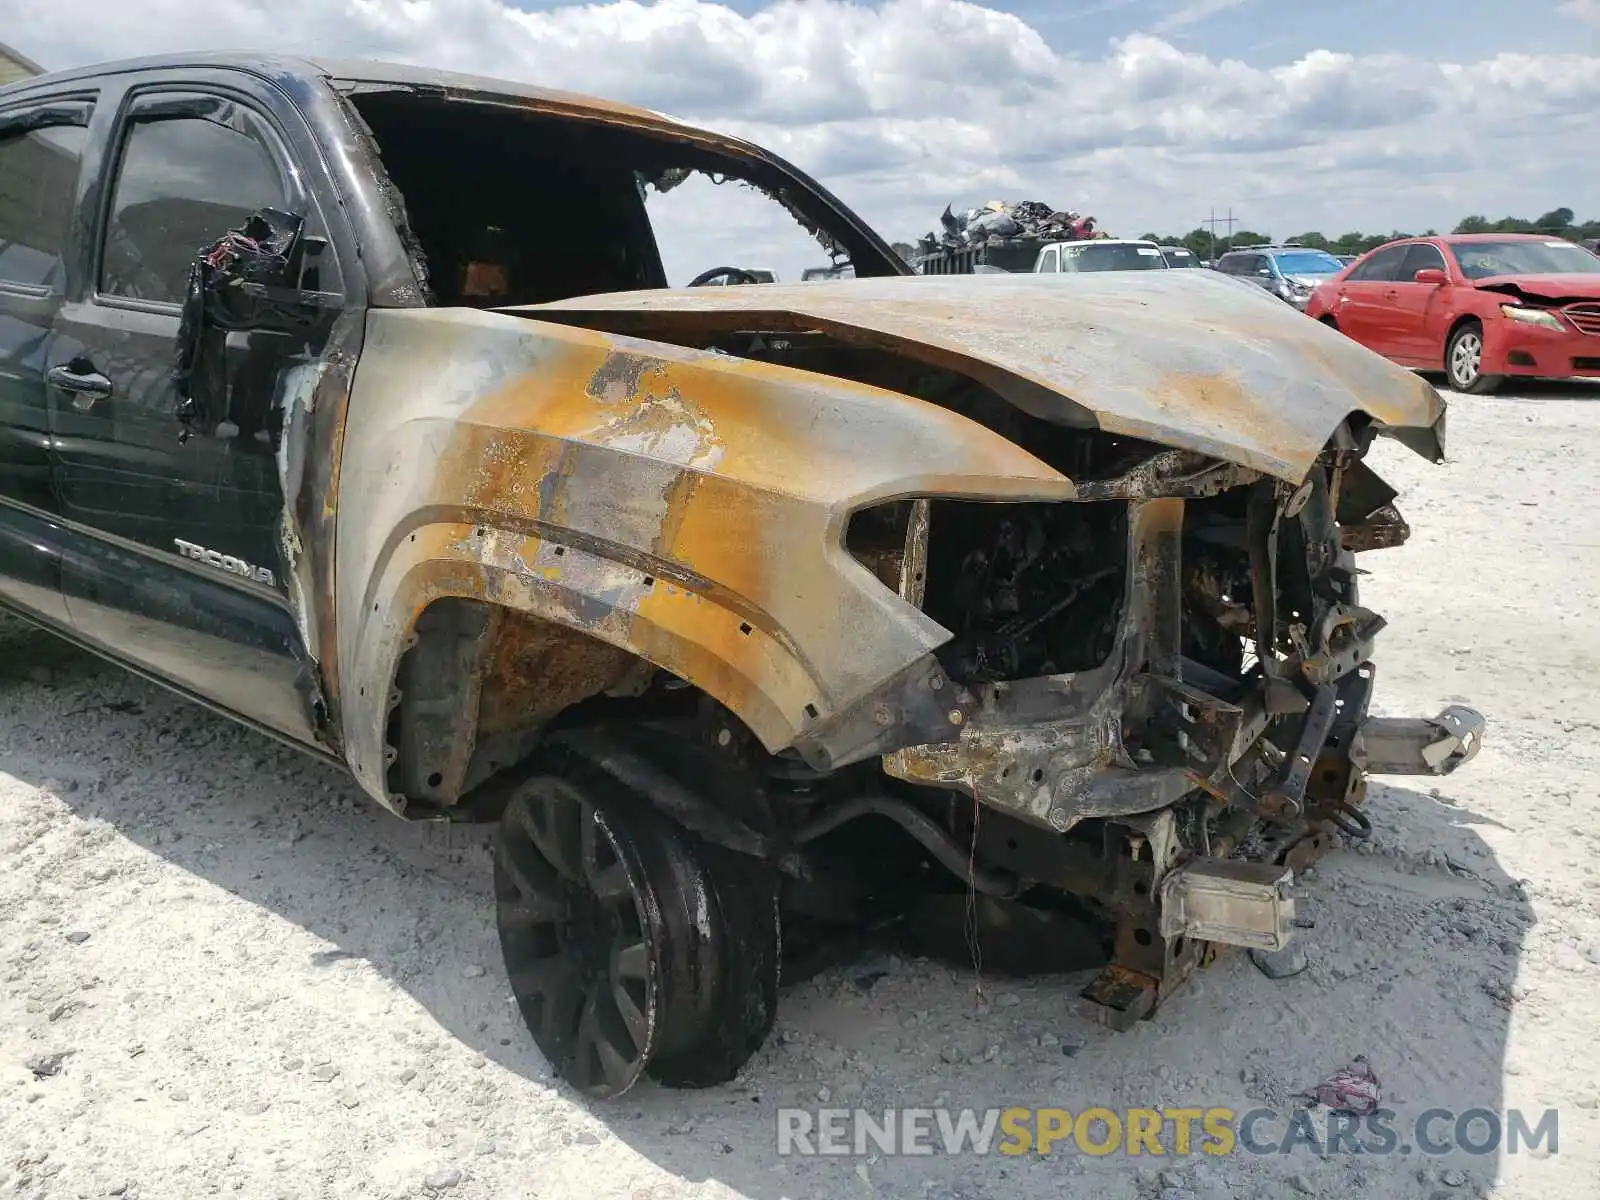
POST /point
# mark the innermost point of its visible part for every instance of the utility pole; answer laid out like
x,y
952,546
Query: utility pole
x,y
1213,221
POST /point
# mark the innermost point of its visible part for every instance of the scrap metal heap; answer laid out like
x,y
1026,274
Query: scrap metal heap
x,y
1002,222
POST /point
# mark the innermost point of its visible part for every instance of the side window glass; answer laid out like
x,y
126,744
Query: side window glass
x,y
1419,257
181,184
38,183
1383,266
1050,261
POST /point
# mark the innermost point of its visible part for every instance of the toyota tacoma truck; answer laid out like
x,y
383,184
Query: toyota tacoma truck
x,y
353,402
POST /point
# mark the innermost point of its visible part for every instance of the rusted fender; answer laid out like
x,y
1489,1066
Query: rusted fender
x,y
685,505
1189,359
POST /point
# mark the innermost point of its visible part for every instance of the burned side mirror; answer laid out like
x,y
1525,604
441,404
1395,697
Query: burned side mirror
x,y
260,277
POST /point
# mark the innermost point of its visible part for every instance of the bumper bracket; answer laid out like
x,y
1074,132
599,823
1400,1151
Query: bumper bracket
x,y
1417,745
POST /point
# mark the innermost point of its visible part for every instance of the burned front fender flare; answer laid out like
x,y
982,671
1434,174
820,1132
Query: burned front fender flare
x,y
717,647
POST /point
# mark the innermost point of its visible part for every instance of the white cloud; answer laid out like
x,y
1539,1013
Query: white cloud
x,y
1587,11
906,105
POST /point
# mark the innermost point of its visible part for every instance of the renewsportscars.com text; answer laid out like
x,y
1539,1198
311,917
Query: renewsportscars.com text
x,y
1161,1132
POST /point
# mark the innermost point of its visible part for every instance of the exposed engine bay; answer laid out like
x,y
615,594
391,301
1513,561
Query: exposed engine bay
x,y
1174,680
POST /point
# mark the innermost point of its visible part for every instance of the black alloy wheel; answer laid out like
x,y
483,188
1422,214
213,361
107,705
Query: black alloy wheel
x,y
631,946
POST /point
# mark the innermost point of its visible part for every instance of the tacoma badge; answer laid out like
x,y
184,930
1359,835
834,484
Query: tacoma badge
x,y
226,562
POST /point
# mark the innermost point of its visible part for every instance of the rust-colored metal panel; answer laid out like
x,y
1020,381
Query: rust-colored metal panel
x,y
684,505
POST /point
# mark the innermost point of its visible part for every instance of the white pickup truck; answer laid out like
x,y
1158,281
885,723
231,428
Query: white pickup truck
x,y
1100,254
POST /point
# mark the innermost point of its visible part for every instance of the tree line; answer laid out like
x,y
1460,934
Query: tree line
x,y
1558,222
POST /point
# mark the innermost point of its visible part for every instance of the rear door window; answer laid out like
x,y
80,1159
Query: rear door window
x,y
1382,267
38,184
182,183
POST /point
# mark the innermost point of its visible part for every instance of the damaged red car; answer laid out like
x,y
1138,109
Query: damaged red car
x,y
1479,307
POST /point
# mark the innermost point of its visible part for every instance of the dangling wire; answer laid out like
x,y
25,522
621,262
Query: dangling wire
x,y
969,924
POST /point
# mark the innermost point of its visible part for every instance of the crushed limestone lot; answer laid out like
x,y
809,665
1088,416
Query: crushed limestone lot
x,y
226,973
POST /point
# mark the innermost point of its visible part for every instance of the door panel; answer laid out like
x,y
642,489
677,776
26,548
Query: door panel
x,y
175,564
1388,322
235,646
1356,310
123,469
30,552
1361,309
41,155
1414,305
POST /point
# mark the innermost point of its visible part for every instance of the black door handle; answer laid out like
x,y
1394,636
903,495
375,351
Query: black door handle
x,y
87,386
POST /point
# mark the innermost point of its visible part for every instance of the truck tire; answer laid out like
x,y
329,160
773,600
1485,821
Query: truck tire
x,y
632,946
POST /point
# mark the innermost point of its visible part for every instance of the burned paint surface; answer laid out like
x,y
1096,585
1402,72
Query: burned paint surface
x,y
688,507
1184,359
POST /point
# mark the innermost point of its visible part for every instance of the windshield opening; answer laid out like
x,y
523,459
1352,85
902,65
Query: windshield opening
x,y
510,207
1485,260
1308,262
695,217
1097,256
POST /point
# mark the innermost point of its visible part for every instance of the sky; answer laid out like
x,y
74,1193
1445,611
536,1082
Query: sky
x,y
1367,114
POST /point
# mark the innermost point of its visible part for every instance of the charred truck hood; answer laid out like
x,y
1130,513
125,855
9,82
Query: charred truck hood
x,y
1215,369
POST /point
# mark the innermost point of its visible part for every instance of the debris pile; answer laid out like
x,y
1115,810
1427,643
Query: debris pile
x,y
1352,1089
1002,221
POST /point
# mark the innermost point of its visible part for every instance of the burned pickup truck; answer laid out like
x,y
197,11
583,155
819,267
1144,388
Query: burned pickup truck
x,y
737,609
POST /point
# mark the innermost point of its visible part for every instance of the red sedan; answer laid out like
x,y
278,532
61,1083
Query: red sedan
x,y
1478,307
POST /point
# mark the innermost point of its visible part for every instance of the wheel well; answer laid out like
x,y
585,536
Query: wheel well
x,y
478,683
1461,322
1328,319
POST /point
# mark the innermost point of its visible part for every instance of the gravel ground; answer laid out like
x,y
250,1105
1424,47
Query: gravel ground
x,y
224,972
